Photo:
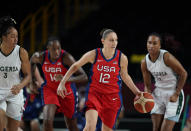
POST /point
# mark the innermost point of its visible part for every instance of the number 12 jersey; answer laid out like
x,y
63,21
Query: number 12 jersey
x,y
105,73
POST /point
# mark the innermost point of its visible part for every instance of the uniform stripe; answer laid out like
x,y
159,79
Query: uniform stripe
x,y
180,104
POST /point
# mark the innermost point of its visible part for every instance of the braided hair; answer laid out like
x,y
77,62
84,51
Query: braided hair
x,y
6,23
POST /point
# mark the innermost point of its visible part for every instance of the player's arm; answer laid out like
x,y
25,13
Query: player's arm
x,y
175,65
36,83
146,76
26,69
125,76
79,75
88,57
38,77
35,59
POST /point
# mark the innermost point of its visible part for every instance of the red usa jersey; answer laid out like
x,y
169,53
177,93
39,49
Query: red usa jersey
x,y
50,69
105,73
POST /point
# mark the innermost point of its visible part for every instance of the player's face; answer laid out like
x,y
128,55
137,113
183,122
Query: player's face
x,y
11,38
110,41
54,49
153,44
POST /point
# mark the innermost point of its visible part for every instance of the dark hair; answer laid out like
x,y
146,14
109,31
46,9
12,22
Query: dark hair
x,y
6,23
51,39
104,32
157,35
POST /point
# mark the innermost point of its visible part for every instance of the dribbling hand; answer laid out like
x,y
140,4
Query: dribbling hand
x,y
16,89
61,91
138,95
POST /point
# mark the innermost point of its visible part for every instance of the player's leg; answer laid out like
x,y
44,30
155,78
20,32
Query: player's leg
x,y
25,125
157,120
91,120
167,125
14,112
71,124
35,125
12,124
106,128
187,126
48,116
2,119
68,106
172,113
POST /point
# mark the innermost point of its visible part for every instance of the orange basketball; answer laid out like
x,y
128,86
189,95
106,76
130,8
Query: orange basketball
x,y
145,103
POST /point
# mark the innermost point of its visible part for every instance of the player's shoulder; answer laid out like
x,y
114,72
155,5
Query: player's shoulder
x,y
22,51
123,56
92,52
143,61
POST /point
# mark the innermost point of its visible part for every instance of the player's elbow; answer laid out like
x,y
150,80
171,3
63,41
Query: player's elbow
x,y
85,78
75,67
184,74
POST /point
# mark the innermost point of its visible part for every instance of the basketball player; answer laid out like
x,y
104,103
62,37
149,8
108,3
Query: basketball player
x,y
103,97
13,59
55,62
170,78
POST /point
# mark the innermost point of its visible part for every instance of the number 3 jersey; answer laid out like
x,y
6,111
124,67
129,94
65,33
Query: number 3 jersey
x,y
105,73
51,69
10,66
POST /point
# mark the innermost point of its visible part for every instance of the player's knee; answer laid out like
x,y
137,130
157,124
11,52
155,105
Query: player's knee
x,y
167,127
90,127
2,113
48,124
155,128
35,124
72,127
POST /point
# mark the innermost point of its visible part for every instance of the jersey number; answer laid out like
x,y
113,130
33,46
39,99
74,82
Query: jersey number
x,y
103,78
5,75
52,77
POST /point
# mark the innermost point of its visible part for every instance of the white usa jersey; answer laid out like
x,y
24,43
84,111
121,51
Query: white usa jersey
x,y
164,76
10,66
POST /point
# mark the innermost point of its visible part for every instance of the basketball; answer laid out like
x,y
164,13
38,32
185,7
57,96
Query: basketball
x,y
145,103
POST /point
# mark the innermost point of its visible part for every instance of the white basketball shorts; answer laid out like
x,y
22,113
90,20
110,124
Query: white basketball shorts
x,y
12,104
171,110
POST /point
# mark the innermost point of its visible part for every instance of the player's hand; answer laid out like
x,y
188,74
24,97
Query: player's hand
x,y
58,77
138,95
16,89
61,90
174,98
34,86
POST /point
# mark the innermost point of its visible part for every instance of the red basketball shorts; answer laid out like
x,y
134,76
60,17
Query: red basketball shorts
x,y
107,105
67,106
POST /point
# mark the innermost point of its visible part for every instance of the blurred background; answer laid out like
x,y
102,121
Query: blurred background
x,y
79,22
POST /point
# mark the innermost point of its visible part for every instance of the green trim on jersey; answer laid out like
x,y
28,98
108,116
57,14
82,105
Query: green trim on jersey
x,y
178,111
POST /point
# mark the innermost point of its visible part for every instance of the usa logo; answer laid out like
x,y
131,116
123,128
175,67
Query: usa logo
x,y
59,63
115,62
